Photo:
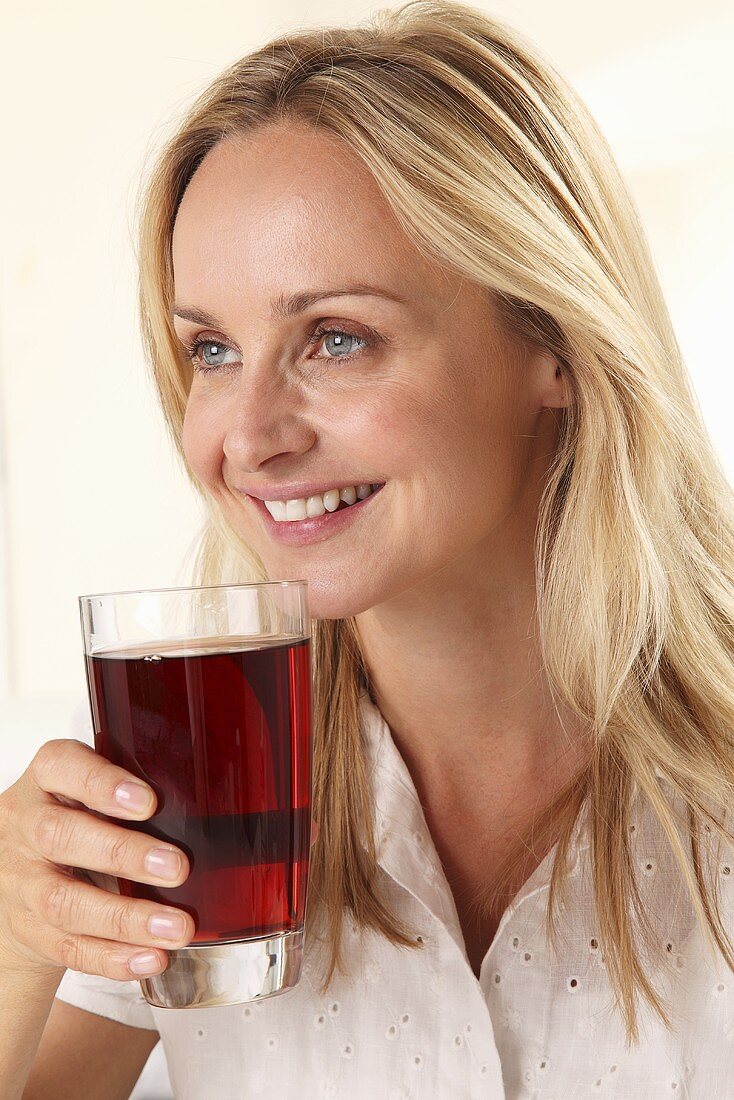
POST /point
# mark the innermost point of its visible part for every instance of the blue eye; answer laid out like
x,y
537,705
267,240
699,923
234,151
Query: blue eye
x,y
218,349
340,336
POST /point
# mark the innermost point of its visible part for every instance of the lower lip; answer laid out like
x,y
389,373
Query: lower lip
x,y
301,532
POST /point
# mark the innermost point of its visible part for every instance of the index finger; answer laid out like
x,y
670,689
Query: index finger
x,y
71,769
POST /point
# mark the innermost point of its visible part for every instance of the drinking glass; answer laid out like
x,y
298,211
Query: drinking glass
x,y
205,694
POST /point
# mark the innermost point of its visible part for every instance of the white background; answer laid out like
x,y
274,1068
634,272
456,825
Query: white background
x,y
91,496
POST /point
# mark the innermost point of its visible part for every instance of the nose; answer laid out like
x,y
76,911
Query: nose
x,y
265,416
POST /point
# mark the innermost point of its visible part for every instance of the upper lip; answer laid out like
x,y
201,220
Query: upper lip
x,y
297,490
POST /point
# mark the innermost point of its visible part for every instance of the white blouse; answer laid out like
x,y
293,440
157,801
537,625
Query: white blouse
x,y
419,1024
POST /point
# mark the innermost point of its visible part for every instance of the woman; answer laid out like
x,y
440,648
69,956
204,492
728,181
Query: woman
x,y
394,268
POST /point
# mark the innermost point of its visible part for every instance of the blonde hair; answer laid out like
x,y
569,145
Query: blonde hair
x,y
493,165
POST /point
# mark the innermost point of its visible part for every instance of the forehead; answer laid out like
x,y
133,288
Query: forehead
x,y
291,207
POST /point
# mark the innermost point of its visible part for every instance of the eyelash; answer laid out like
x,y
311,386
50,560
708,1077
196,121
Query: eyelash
x,y
192,348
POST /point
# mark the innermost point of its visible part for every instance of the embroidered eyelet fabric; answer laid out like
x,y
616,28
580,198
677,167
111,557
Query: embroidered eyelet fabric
x,y
417,1024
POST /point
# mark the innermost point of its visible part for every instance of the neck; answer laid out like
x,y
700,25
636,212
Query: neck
x,y
455,669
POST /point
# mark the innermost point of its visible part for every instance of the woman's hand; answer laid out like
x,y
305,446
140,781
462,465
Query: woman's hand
x,y
50,919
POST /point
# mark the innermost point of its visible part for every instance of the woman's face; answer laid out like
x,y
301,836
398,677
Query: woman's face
x,y
417,387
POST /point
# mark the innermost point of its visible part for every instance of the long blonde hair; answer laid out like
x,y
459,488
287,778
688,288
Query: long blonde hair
x,y
493,165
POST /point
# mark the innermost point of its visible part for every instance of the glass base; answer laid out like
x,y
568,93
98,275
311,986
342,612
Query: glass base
x,y
227,973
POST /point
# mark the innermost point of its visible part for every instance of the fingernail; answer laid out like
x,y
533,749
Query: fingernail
x,y
145,963
163,863
167,926
133,796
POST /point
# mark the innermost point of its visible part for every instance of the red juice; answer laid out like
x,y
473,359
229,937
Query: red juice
x,y
222,733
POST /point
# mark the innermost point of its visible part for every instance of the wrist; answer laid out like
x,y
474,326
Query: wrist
x,y
23,971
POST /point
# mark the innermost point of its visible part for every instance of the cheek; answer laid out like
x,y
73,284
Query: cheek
x,y
201,444
478,455
402,427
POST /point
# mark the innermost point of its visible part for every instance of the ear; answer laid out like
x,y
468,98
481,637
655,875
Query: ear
x,y
552,380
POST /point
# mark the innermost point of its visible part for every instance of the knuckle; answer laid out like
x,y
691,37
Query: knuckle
x,y
123,921
56,903
71,952
119,854
22,923
47,756
94,782
52,831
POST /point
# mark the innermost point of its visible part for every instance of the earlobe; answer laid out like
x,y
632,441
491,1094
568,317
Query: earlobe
x,y
551,379
559,397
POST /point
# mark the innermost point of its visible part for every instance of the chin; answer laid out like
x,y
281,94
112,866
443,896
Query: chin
x,y
330,596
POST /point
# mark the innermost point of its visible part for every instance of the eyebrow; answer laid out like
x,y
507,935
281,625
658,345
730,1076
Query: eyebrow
x,y
285,306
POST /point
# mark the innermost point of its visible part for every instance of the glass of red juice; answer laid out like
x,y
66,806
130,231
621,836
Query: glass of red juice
x,y
205,694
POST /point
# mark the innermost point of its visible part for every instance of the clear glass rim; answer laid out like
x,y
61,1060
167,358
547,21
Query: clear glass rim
x,y
188,588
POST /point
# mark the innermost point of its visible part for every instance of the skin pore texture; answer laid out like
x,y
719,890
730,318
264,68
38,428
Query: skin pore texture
x,y
427,394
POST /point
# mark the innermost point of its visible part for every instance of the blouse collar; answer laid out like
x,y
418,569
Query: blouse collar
x,y
405,848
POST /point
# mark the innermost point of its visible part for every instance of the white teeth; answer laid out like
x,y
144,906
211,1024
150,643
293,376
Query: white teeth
x,y
317,505
295,509
276,508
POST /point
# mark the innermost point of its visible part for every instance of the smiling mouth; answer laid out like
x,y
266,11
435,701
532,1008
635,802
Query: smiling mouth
x,y
313,528
328,503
